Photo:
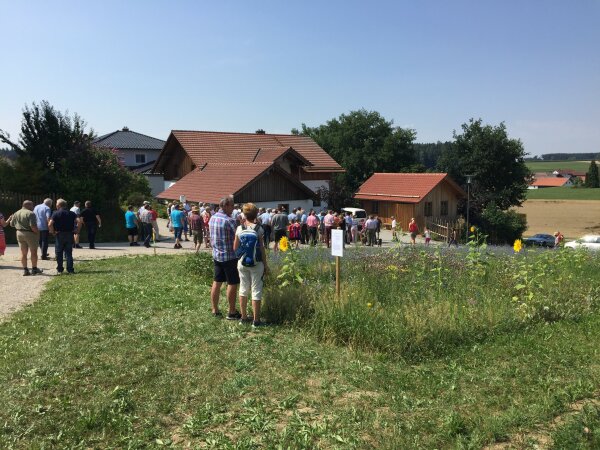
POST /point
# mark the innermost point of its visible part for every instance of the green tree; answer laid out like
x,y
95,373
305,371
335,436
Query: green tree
x,y
55,155
592,179
495,161
363,142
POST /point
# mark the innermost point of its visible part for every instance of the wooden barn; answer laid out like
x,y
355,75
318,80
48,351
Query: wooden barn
x,y
266,169
424,196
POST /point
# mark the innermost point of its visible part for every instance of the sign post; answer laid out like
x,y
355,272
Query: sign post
x,y
337,250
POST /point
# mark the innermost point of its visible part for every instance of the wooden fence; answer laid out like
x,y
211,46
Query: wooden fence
x,y
442,227
16,199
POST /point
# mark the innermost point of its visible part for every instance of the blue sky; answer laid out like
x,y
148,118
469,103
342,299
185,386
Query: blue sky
x,y
240,65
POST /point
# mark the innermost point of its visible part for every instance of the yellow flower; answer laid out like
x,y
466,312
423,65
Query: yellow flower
x,y
517,246
369,305
283,244
472,229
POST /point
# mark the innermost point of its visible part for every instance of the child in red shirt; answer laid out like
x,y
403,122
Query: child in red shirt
x,y
295,232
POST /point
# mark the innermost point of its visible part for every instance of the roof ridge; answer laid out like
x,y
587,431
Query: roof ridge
x,y
238,132
141,134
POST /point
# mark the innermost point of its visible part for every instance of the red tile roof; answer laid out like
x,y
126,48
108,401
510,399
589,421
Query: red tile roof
x,y
402,187
216,180
549,181
209,146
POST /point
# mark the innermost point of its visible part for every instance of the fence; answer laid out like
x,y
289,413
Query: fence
x,y
442,228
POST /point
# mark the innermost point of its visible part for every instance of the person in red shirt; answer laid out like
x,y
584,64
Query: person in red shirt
x,y
413,229
295,232
196,227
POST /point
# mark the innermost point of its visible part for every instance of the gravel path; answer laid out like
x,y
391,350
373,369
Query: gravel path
x,y
21,291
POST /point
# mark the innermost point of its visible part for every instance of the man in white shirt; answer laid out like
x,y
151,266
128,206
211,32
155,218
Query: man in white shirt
x,y
77,210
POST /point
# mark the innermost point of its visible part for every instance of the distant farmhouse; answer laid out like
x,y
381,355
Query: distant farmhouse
x,y
266,169
424,196
135,149
557,178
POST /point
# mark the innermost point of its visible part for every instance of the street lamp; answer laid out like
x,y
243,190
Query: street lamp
x,y
469,179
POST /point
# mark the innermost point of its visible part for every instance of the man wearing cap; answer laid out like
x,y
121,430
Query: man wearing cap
x,y
77,210
61,225
145,215
25,222
196,227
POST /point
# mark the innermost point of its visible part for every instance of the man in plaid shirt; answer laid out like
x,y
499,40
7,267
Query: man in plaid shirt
x,y
222,234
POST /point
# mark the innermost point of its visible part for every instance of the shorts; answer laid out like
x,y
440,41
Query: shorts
x,y
251,280
413,235
2,244
28,239
227,271
177,231
132,231
197,235
279,234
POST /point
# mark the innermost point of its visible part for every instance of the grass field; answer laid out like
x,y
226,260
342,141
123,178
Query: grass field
x,y
563,193
131,358
546,166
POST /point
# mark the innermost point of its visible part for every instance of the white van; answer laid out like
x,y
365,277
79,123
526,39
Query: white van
x,y
357,213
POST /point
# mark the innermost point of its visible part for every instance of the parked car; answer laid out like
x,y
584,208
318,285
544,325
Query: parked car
x,y
540,240
589,241
357,213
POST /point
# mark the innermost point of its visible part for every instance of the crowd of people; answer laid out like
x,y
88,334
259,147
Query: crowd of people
x,y
35,223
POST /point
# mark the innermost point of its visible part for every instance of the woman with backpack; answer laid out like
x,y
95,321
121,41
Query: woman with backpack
x,y
252,264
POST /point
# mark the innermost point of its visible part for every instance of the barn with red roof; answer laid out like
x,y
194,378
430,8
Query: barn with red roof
x,y
266,169
405,195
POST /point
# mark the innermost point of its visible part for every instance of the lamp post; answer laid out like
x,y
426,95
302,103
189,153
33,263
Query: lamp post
x,y
469,179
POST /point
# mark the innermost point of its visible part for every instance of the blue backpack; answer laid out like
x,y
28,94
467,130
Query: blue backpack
x,y
249,250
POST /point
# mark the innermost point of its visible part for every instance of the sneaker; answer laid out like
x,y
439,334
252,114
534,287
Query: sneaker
x,y
245,321
71,273
26,272
135,244
234,316
36,271
257,324
78,246
217,314
176,246
46,258
92,248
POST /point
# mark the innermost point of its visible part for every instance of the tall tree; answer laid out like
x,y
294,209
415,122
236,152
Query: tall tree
x,y
495,161
592,179
363,142
55,155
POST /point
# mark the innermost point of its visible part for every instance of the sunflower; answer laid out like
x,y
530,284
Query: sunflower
x,y
518,245
284,244
473,229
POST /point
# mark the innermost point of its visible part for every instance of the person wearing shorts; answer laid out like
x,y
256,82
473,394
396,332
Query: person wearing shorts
x,y
414,230
25,222
177,220
222,235
251,277
196,226
131,223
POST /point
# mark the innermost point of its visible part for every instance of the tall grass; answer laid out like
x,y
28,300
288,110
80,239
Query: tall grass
x,y
414,303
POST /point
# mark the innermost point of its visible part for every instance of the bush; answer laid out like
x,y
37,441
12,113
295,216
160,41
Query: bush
x,y
502,227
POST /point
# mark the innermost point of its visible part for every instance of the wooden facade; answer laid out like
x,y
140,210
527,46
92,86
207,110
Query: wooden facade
x,y
174,162
273,183
441,202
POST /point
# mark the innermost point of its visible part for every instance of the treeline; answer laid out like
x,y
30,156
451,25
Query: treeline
x,y
429,154
566,157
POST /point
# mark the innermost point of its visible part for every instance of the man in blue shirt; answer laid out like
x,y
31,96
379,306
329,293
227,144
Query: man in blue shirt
x,y
131,223
43,212
62,224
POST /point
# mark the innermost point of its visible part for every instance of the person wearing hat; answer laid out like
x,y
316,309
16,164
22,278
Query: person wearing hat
x,y
196,227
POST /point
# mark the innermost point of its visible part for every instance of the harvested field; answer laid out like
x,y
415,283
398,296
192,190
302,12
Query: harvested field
x,y
573,218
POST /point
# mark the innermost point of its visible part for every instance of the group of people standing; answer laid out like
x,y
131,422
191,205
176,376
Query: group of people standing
x,y
35,224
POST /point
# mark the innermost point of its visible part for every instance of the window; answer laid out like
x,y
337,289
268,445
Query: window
x,y
428,209
140,158
316,202
444,208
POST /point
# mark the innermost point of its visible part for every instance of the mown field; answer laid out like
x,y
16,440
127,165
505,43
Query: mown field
x,y
563,193
545,166
573,218
422,350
